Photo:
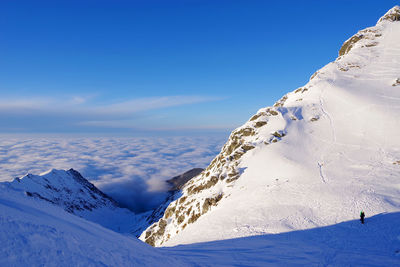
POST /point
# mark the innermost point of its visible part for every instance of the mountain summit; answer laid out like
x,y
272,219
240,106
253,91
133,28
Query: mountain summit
x,y
317,157
73,193
392,15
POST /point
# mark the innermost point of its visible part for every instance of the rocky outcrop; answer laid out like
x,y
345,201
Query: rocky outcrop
x,y
369,35
199,195
392,15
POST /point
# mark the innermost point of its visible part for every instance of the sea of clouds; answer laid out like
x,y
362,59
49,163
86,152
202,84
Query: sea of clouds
x,y
131,170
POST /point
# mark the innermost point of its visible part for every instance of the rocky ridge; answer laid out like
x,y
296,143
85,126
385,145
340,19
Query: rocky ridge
x,y
298,110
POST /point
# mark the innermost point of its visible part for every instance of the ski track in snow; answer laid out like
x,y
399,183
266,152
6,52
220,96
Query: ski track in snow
x,y
321,172
323,154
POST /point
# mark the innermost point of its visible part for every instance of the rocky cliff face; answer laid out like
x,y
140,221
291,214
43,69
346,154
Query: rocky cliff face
x,y
176,184
318,150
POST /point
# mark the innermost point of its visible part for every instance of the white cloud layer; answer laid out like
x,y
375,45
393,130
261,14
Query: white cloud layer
x,y
132,170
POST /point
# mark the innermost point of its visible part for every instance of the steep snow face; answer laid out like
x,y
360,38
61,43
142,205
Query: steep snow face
x,y
317,157
75,194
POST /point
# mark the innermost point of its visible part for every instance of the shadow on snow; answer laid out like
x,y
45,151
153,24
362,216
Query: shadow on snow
x,y
376,243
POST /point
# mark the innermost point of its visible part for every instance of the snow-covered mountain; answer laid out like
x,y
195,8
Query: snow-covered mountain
x,y
317,157
313,161
75,194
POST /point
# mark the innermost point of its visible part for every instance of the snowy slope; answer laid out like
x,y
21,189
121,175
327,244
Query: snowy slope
x,y
75,194
36,233
317,157
344,244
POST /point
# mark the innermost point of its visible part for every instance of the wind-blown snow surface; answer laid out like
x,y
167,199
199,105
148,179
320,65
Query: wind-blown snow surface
x,y
323,153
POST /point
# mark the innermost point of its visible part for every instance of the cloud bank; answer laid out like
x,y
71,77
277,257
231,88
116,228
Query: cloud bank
x,y
131,170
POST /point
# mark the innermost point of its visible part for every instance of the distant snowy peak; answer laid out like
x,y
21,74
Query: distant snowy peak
x,y
319,149
68,189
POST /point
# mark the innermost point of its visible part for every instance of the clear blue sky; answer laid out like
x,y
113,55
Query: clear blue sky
x,y
148,67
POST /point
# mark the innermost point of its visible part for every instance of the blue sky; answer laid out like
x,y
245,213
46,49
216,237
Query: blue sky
x,y
162,67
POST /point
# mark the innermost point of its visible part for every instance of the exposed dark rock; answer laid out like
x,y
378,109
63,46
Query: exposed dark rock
x,y
259,124
208,202
194,217
247,147
314,75
349,44
257,116
281,102
302,89
246,132
279,135
180,219
150,240
196,189
179,181
272,112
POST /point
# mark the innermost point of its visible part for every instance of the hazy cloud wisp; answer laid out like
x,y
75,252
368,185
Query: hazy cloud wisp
x,y
88,114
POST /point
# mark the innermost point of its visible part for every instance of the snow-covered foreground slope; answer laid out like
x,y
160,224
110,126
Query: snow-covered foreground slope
x,y
377,243
36,233
317,157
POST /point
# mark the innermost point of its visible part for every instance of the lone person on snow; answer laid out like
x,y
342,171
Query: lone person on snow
x,y
362,216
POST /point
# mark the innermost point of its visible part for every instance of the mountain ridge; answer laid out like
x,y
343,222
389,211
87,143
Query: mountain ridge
x,y
72,192
75,194
304,143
